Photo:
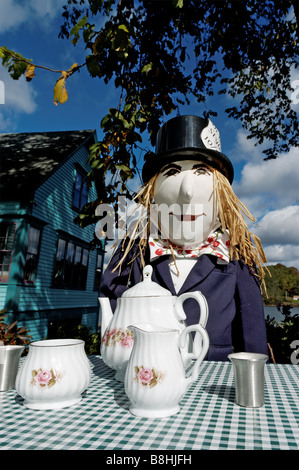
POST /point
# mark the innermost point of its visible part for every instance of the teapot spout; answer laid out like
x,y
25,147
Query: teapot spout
x,y
106,314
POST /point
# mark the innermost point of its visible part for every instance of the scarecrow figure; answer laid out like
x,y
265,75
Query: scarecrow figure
x,y
202,241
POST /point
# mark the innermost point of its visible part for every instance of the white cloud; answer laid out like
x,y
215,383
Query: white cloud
x,y
269,189
48,8
13,13
19,97
18,94
245,149
280,227
284,254
271,184
294,95
278,231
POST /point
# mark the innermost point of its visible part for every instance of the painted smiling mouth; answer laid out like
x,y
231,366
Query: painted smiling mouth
x,y
186,217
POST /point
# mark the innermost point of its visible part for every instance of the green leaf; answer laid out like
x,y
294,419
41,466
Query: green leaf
x,y
146,68
93,66
122,167
124,28
76,29
178,3
88,33
97,164
106,119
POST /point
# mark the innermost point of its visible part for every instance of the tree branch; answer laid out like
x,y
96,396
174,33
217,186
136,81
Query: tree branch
x,y
26,61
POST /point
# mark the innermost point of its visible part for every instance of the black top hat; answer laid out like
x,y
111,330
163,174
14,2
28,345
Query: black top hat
x,y
187,138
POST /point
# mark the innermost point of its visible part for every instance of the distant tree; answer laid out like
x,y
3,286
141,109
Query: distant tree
x,y
161,53
279,281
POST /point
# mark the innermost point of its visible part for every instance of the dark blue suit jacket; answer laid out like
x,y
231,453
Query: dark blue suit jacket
x,y
236,314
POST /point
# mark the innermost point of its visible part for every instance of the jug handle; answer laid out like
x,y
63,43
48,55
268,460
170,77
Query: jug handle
x,y
193,373
201,300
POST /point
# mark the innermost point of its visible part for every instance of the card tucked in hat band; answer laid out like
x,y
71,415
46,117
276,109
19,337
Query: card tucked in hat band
x,y
217,244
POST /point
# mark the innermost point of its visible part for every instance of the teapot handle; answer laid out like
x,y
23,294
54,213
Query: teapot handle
x,y
201,300
193,373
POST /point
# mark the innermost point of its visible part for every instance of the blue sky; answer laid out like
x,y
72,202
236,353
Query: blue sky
x,y
269,189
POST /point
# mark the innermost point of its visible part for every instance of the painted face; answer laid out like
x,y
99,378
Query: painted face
x,y
185,201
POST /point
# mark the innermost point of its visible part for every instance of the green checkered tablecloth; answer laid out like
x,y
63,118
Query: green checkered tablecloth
x,y
209,418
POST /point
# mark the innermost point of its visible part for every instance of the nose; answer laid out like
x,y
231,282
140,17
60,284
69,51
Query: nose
x,y
187,187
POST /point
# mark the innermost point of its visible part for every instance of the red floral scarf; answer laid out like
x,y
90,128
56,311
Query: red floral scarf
x,y
217,244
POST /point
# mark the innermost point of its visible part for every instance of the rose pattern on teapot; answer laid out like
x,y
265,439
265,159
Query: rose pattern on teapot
x,y
124,338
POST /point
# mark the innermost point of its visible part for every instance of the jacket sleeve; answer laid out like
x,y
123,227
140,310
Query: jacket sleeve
x,y
249,329
115,281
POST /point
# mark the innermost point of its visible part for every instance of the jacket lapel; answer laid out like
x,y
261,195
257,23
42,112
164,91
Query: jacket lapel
x,y
162,273
198,273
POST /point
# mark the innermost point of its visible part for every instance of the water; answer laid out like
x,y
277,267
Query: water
x,y
274,313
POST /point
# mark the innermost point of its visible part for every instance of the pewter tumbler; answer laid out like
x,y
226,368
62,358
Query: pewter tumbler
x,y
9,363
249,378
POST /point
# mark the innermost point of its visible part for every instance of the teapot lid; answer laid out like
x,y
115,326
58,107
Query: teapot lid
x,y
147,287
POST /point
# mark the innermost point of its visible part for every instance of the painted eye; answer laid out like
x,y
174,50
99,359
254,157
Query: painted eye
x,y
200,169
171,172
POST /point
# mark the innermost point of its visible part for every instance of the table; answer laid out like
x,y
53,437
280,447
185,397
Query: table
x,y
209,419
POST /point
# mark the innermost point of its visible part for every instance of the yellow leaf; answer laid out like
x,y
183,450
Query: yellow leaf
x,y
60,93
29,74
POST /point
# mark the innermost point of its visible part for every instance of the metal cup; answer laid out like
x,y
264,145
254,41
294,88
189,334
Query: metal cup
x,y
9,363
249,378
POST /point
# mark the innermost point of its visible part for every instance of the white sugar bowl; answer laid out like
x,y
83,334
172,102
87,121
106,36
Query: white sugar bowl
x,y
54,374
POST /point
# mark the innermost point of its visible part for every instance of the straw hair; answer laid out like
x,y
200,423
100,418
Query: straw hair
x,y
244,245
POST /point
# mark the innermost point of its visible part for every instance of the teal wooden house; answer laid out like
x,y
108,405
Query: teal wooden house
x,y
49,274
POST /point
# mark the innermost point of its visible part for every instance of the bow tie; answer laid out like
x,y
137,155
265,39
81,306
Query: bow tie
x,y
217,244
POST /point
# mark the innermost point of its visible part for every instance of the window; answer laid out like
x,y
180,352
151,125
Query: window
x,y
80,195
71,263
99,270
31,258
7,240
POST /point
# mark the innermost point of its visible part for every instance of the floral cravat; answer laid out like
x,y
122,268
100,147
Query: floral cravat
x,y
217,244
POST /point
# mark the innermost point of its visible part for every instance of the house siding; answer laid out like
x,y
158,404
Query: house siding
x,y
37,305
2,296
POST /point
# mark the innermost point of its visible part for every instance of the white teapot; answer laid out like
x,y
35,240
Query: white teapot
x,y
155,379
146,302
